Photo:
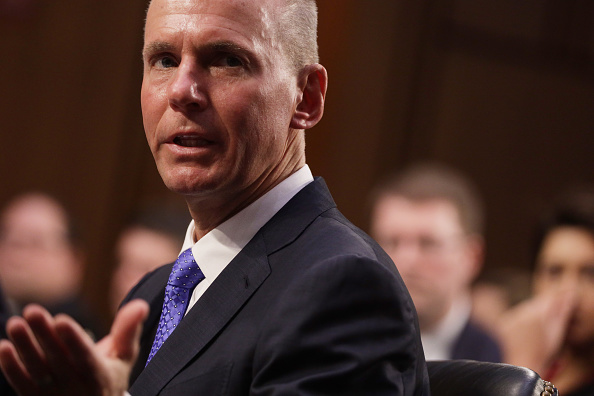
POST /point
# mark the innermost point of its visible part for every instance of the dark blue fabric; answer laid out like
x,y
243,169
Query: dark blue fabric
x,y
474,343
310,306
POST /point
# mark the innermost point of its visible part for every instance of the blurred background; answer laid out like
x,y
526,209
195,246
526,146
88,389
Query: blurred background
x,y
501,89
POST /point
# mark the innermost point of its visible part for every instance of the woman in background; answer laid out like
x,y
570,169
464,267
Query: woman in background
x,y
553,332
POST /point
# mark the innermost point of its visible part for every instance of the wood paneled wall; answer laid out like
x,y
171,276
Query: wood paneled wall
x,y
498,88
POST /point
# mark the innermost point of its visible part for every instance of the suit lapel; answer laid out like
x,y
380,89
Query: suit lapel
x,y
212,311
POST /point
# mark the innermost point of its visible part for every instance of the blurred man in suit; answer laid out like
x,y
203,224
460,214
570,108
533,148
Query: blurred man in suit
x,y
429,220
291,298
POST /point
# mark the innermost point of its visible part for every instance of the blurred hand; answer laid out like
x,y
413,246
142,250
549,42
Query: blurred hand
x,y
532,333
54,356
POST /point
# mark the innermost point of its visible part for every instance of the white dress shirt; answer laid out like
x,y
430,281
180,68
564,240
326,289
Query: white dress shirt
x,y
438,344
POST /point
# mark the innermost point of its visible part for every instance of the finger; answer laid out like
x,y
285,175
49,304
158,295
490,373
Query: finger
x,y
562,310
28,349
15,372
81,348
76,340
566,303
43,326
127,328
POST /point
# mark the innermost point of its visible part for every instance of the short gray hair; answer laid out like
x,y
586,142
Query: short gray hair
x,y
298,31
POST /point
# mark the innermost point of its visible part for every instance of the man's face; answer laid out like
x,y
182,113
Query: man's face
x,y
566,265
433,255
138,251
33,241
217,96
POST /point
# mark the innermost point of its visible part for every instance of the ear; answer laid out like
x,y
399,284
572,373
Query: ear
x,y
313,81
476,252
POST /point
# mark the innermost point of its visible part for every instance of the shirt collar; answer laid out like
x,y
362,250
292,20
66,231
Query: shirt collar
x,y
217,248
439,343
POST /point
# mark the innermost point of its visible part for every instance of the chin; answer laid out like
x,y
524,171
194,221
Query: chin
x,y
187,180
184,188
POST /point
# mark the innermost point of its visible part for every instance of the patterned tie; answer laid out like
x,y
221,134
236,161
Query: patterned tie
x,y
184,276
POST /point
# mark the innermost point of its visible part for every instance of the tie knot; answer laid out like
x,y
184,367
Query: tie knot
x,y
185,272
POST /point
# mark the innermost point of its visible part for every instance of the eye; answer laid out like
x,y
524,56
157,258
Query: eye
x,y
588,272
166,62
233,61
551,271
227,60
429,244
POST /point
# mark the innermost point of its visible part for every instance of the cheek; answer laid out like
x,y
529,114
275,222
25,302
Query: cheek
x,y
153,106
587,304
541,286
255,128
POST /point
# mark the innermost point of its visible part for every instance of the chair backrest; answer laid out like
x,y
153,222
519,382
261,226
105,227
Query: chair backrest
x,y
472,378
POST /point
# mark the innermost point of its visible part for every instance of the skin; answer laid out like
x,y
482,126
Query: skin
x,y
566,265
138,251
564,291
34,241
224,115
434,256
489,302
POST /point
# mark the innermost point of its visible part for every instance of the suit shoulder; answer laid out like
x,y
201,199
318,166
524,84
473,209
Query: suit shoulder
x,y
331,234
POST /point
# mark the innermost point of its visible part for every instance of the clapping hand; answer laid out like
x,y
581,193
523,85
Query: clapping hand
x,y
54,356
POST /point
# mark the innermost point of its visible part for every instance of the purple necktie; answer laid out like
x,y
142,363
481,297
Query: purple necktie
x,y
184,276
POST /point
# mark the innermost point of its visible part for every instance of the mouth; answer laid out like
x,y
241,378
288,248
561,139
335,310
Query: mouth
x,y
191,141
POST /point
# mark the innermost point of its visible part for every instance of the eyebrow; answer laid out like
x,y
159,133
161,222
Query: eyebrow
x,y
226,46
163,46
156,47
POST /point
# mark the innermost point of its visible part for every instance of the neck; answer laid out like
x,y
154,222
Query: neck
x,y
210,211
430,321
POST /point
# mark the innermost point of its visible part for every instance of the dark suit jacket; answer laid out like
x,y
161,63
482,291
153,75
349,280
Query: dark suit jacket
x,y
311,306
474,343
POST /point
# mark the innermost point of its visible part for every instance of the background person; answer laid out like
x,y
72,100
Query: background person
x,y
42,259
429,219
496,291
150,238
553,332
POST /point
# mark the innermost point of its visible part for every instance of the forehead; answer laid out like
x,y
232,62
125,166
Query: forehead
x,y
568,245
249,18
397,211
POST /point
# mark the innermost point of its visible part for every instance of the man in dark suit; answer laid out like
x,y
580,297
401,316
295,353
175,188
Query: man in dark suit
x,y
429,220
275,292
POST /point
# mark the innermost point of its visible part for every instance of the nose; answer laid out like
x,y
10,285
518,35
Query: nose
x,y
405,255
186,89
569,284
